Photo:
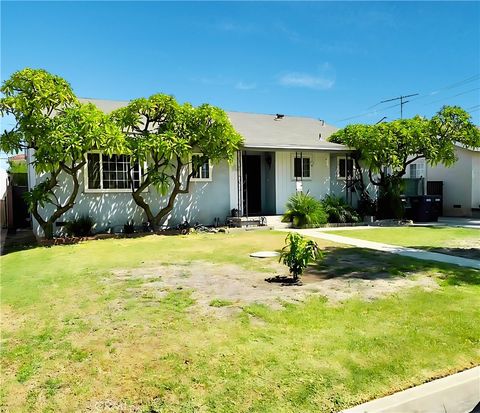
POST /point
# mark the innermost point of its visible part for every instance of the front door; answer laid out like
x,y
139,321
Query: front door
x,y
252,186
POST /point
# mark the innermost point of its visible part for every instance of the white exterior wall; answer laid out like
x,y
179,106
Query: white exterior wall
x,y
476,180
206,201
318,185
457,184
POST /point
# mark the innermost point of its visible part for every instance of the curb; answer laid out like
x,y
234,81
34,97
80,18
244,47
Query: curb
x,y
458,393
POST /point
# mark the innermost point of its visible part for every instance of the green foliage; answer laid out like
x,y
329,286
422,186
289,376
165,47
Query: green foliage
x,y
80,227
304,211
298,253
51,121
386,149
17,167
338,211
217,302
165,134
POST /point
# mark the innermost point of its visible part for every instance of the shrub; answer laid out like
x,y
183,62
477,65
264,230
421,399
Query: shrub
x,y
298,253
338,211
129,227
80,227
304,211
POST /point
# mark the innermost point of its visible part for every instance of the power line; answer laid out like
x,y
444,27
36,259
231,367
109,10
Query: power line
x,y
462,82
453,96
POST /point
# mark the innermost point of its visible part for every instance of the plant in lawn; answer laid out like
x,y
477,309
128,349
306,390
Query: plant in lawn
x,y
338,210
298,253
303,211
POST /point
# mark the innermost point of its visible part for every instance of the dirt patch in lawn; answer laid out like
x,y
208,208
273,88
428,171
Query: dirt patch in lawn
x,y
467,248
223,289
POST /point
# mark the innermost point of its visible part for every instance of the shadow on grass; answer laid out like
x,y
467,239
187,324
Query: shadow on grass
x,y
360,263
472,253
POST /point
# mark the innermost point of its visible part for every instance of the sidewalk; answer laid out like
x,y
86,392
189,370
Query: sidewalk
x,y
404,251
458,393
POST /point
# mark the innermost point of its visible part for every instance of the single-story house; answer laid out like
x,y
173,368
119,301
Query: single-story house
x,y
281,154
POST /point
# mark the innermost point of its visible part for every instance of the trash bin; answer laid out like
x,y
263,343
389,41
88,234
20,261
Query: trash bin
x,y
426,208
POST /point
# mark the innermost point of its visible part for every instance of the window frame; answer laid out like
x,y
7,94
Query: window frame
x,y
100,190
344,158
303,178
210,169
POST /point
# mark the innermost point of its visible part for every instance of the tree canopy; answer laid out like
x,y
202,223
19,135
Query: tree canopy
x,y
164,135
51,122
386,149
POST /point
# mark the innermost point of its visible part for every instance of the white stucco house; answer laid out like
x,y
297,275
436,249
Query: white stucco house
x,y
280,154
461,183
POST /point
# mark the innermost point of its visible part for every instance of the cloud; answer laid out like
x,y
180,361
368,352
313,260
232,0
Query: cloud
x,y
233,27
305,80
245,86
324,80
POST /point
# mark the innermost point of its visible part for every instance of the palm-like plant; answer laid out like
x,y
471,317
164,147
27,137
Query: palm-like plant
x,y
338,210
298,253
303,210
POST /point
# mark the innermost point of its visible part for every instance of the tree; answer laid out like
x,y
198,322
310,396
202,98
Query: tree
x,y
386,149
51,122
163,135
298,253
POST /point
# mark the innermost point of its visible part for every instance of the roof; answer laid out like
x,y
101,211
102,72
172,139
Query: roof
x,y
17,158
261,131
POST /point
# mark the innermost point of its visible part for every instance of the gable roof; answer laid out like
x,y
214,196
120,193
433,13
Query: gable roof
x,y
262,131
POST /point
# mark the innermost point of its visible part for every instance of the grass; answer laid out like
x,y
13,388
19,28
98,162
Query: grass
x,y
73,339
416,236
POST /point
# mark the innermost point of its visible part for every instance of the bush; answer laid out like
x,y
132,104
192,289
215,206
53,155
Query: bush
x,y
129,227
80,227
304,211
298,253
338,211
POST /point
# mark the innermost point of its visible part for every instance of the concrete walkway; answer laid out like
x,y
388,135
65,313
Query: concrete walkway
x,y
395,249
458,393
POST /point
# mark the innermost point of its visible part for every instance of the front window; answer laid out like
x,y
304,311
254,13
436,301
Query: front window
x,y
417,170
111,172
301,167
345,168
200,168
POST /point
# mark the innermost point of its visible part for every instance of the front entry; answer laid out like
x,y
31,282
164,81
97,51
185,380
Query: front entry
x,y
252,184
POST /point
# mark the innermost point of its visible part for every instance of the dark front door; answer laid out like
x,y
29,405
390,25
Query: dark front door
x,y
252,187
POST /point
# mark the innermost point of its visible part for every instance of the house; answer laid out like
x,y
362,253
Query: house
x,y
281,154
460,182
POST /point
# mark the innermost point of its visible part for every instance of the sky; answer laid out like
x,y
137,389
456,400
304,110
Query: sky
x,y
329,60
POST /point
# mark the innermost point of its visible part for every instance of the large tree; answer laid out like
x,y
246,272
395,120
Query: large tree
x,y
164,135
386,149
59,130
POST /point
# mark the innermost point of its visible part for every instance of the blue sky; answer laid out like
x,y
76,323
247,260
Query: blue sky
x,y
332,61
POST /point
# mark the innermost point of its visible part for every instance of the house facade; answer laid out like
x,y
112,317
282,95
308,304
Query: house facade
x,y
460,182
281,155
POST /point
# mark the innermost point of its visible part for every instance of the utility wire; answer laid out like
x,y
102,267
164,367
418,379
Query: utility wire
x,y
462,82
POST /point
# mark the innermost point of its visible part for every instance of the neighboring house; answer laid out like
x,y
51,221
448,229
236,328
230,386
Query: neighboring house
x,y
461,183
280,155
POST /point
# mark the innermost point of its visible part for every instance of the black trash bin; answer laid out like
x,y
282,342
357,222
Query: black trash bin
x,y
426,208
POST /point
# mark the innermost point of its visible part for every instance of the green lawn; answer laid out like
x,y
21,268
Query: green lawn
x,y
75,337
432,238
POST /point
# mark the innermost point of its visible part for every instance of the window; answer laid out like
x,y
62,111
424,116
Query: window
x,y
345,167
201,168
416,170
301,167
111,172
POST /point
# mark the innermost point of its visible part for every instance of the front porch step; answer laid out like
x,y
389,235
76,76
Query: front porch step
x,y
272,221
